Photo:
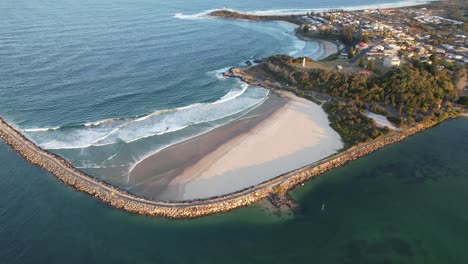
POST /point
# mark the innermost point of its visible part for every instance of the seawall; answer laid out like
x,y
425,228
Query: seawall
x,y
121,199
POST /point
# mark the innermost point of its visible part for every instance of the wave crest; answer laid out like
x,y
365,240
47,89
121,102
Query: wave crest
x,y
299,11
126,130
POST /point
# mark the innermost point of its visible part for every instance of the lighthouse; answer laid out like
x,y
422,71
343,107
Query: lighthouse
x,y
303,62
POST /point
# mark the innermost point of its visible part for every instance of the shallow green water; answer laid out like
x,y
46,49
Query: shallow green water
x,y
403,204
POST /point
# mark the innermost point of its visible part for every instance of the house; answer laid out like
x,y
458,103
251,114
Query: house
x,y
391,61
378,48
361,45
367,72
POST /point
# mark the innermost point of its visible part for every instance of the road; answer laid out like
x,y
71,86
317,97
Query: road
x,y
362,53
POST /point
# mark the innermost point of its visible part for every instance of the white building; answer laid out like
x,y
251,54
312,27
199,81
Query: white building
x,y
391,61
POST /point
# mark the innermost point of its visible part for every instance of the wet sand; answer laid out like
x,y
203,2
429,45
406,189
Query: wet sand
x,y
150,178
328,48
281,135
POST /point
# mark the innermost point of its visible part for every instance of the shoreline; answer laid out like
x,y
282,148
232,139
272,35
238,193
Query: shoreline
x,y
326,46
245,159
153,175
277,186
118,198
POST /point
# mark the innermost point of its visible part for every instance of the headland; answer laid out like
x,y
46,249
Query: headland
x,y
288,139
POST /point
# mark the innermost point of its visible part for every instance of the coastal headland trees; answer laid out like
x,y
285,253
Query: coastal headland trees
x,y
406,95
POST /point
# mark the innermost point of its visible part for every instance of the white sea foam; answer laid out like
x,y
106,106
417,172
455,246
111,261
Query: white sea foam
x,y
140,158
111,131
105,121
299,46
40,129
219,73
298,11
233,94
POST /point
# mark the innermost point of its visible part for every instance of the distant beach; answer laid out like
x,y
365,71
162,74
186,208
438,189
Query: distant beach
x,y
326,48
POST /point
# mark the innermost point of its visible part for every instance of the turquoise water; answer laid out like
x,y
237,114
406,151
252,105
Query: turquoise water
x,y
149,69
106,83
403,204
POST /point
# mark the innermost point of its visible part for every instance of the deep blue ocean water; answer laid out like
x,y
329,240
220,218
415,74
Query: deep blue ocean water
x,y
105,83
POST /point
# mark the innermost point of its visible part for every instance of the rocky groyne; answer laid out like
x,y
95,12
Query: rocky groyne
x,y
121,199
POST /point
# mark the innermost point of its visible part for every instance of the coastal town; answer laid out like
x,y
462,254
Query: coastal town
x,y
396,66
392,36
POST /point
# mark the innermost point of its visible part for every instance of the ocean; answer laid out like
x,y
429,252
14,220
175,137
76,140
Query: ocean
x,y
107,83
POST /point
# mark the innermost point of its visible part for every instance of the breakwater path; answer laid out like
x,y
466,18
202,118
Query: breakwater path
x,y
121,199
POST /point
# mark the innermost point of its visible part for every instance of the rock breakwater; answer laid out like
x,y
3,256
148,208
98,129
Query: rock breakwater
x,y
121,199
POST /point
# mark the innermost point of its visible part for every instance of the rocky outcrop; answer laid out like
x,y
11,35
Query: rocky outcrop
x,y
228,14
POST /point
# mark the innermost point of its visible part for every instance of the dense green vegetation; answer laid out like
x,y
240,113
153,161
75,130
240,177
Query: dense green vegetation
x,y
455,9
414,92
463,100
350,121
412,89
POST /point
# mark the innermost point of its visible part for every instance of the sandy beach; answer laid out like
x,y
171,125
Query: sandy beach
x,y
152,175
327,48
242,154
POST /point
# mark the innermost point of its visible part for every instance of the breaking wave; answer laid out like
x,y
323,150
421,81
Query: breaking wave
x,y
219,73
298,11
41,129
127,130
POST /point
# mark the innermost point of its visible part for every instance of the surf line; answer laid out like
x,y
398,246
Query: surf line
x,y
124,200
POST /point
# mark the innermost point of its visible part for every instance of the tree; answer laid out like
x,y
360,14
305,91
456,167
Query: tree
x,y
463,100
361,62
435,63
357,52
347,34
365,38
371,65
351,52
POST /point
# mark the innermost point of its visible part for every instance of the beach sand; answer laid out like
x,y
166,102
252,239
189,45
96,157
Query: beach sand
x,y
328,48
294,133
153,174
381,121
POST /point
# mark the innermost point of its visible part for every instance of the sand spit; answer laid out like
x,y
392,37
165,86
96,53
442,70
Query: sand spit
x,y
118,198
